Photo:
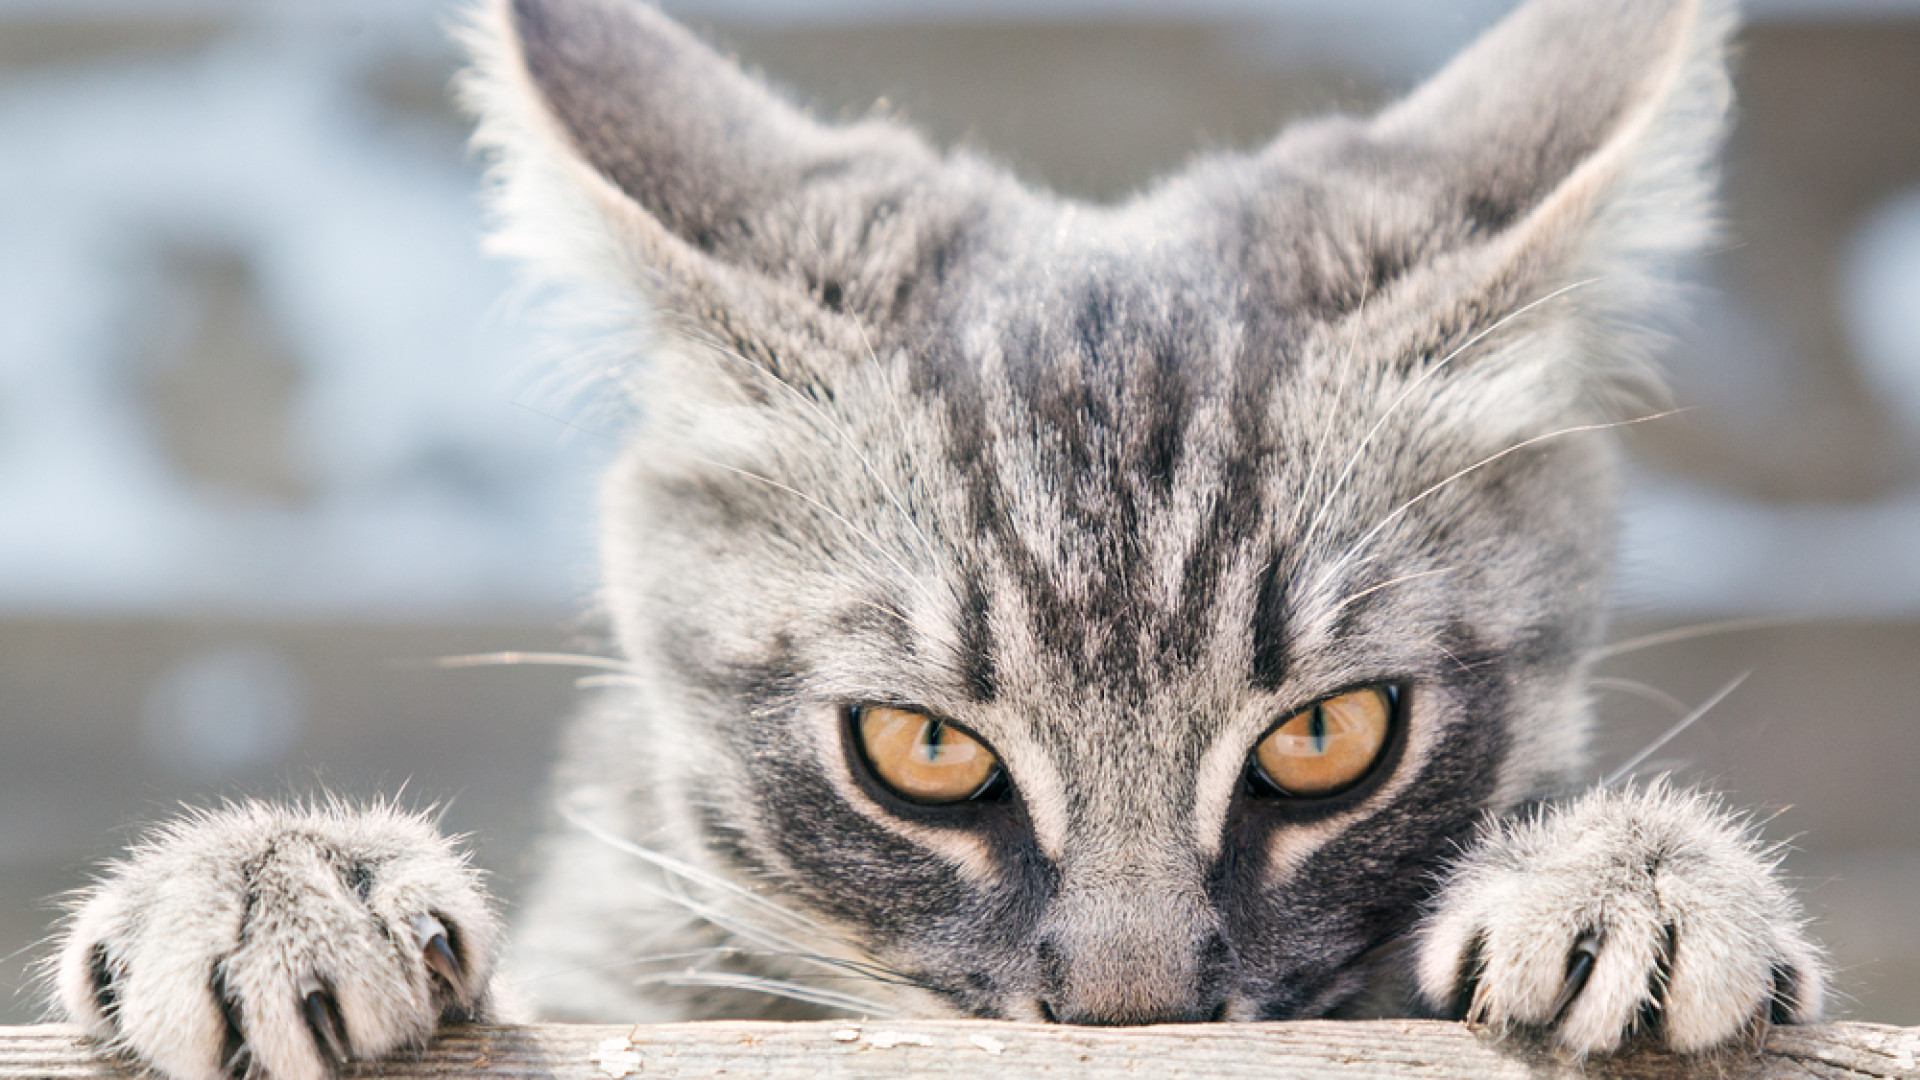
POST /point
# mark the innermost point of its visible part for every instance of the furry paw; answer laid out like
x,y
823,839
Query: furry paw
x,y
278,941
1622,911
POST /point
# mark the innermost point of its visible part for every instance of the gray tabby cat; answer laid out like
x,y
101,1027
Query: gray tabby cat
x,y
1105,615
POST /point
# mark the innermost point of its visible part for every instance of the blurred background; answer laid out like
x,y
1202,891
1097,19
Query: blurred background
x,y
272,438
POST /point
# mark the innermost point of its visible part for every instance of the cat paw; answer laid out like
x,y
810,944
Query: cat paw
x,y
1622,912
276,941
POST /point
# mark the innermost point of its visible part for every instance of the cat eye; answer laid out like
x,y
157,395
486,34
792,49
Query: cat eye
x,y
1327,748
925,760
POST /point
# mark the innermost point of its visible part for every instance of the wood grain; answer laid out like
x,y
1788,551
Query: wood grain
x,y
977,1048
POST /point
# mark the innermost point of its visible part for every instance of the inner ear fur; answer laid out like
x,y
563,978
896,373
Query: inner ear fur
x,y
625,149
1570,150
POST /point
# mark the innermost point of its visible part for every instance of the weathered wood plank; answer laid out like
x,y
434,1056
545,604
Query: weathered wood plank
x,y
854,1051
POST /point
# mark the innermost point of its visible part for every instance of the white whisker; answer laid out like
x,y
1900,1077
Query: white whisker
x,y
684,870
1683,724
546,659
1313,527
889,612
587,682
1401,580
1688,633
769,943
634,961
672,893
813,995
1642,691
1325,434
866,972
1578,429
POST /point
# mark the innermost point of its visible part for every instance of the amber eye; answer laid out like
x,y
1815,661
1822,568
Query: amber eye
x,y
1328,748
922,759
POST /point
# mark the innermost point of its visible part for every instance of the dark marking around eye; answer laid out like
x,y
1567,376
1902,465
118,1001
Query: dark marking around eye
x,y
1299,942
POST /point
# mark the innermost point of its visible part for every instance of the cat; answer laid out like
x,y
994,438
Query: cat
x,y
1169,611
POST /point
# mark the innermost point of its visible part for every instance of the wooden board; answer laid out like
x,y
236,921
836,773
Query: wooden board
x,y
1304,1050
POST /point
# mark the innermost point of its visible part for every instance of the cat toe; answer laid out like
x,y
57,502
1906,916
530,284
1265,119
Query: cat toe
x,y
279,942
1623,914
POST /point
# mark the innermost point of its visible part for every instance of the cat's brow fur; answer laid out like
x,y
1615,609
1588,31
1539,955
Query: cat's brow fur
x,y
1116,488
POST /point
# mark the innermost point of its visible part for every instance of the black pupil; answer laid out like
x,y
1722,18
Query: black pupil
x,y
1317,728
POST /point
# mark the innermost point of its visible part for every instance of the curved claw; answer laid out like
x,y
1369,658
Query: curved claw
x,y
438,953
1580,961
323,1019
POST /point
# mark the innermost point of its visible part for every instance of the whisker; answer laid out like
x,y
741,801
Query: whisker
x,y
564,422
812,995
633,961
1681,725
672,892
1640,690
1465,668
1313,527
548,659
587,682
771,944
1326,433
1401,580
687,871
889,612
1699,630
867,972
1577,429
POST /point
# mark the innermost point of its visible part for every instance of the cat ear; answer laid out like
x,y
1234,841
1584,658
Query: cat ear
x,y
1570,148
626,152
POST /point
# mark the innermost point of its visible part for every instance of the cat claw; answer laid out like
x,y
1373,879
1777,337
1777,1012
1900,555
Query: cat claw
x,y
323,1019
1580,961
439,956
1567,925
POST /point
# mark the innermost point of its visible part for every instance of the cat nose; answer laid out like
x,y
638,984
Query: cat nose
x,y
1121,978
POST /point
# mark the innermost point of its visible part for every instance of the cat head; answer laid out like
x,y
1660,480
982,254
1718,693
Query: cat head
x,y
1086,512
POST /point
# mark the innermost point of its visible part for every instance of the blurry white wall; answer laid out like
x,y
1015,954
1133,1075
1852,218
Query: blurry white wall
x,y
251,359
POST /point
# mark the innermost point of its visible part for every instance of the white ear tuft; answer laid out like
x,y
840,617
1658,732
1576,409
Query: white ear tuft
x,y
1569,152
626,154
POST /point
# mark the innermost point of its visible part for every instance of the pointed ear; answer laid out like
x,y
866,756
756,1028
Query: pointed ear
x,y
625,151
1571,147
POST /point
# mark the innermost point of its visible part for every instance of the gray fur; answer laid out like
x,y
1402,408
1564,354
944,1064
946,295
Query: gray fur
x,y
1115,488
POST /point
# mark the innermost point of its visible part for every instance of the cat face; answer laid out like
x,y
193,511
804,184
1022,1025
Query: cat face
x,y
1102,518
